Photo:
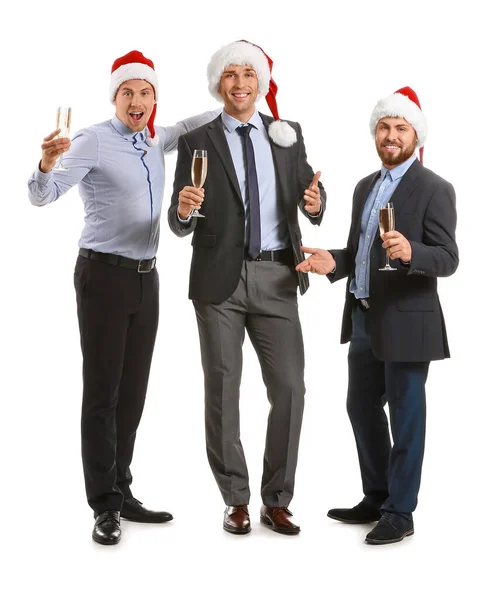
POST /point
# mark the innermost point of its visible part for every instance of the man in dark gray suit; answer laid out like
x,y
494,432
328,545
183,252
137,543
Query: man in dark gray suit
x,y
243,278
392,318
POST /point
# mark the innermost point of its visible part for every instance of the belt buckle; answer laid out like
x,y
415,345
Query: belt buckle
x,y
149,261
365,303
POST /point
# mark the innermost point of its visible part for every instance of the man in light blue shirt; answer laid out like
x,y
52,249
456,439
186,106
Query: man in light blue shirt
x,y
119,168
242,278
379,197
392,317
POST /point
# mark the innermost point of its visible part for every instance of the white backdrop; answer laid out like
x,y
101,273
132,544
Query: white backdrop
x,y
332,62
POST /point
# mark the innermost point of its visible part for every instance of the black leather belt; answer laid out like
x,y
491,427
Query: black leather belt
x,y
284,256
141,266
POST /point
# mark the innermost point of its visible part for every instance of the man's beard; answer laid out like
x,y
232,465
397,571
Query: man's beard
x,y
395,158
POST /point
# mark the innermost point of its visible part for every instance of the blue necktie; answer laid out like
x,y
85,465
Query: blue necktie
x,y
252,193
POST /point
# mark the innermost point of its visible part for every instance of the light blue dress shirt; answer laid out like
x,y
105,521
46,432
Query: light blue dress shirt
x,y
378,198
273,223
121,181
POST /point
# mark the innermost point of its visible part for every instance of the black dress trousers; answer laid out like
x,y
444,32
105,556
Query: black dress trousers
x,y
118,311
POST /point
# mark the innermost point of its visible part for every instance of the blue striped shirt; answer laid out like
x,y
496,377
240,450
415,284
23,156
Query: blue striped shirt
x,y
121,182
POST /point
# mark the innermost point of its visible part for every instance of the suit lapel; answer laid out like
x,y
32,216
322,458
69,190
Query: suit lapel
x,y
219,141
402,193
360,202
398,198
282,164
406,186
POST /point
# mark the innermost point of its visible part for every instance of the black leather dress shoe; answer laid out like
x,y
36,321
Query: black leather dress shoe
x,y
391,528
107,528
364,512
133,510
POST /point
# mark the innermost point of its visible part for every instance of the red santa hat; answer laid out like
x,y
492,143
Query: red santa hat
x,y
136,66
402,103
246,53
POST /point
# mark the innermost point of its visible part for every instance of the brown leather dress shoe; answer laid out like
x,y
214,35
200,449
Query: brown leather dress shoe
x,y
236,519
278,520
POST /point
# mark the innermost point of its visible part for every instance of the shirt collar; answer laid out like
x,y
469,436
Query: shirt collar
x,y
398,172
231,124
125,131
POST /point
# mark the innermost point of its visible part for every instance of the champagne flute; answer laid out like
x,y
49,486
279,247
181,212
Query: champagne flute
x,y
199,172
63,122
386,223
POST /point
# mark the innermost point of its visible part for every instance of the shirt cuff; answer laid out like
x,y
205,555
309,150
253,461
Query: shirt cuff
x,y
185,221
41,177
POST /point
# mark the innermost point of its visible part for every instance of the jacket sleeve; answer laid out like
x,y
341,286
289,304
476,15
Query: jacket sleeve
x,y
437,254
345,257
344,262
305,176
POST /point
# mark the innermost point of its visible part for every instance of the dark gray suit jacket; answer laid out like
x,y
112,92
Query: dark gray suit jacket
x,y
218,240
405,318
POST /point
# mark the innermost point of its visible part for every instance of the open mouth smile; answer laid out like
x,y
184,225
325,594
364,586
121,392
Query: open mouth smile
x,y
240,95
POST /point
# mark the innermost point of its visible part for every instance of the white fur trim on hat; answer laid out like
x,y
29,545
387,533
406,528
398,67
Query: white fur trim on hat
x,y
238,53
398,105
133,71
282,133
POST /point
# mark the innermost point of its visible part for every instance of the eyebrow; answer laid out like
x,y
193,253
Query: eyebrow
x,y
126,89
396,125
247,69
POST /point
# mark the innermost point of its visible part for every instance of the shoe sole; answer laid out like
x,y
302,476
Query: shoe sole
x,y
268,524
383,542
137,520
103,543
236,531
352,521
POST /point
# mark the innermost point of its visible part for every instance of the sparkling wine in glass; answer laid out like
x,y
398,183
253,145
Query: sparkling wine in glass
x,y
386,223
199,172
63,122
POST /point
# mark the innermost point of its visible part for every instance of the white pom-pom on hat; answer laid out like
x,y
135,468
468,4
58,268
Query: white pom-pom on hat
x,y
282,133
246,53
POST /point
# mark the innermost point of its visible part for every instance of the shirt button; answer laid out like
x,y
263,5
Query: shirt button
x,y
368,237
361,289
364,262
373,212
